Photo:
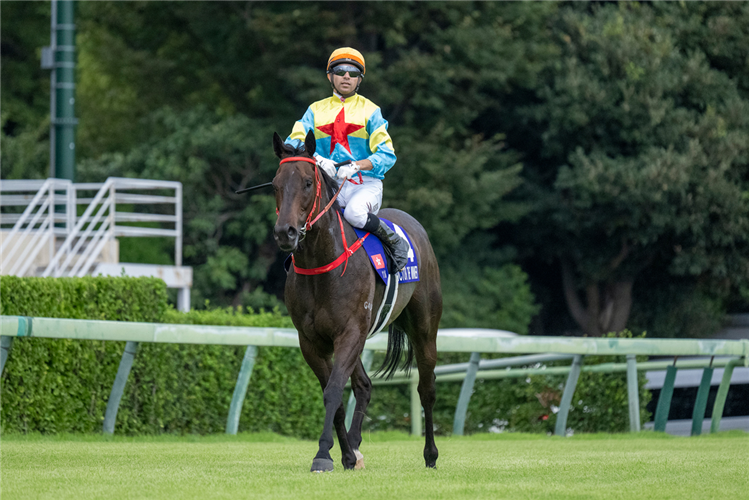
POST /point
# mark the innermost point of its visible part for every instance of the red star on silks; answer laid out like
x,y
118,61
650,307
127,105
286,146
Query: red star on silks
x,y
339,131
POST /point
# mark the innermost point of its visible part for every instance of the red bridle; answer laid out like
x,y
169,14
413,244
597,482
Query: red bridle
x,y
348,251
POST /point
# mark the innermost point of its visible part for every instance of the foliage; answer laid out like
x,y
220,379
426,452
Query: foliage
x,y
520,404
25,28
679,309
607,138
25,155
227,236
187,389
57,385
60,385
488,297
111,299
643,159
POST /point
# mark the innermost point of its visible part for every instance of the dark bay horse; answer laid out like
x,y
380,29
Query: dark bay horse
x,y
333,310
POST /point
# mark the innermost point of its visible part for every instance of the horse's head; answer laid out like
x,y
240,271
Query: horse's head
x,y
296,189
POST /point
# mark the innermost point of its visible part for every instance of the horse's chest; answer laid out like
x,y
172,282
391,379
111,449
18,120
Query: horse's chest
x,y
321,313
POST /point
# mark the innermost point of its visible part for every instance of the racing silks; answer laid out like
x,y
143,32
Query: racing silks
x,y
350,129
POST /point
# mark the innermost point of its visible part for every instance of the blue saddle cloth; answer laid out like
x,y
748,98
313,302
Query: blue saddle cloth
x,y
378,258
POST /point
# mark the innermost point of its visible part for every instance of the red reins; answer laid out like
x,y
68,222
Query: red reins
x,y
348,251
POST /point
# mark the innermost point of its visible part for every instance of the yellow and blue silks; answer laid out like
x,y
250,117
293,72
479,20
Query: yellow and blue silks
x,y
351,130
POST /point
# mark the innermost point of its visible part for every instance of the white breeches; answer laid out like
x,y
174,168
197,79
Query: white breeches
x,y
360,199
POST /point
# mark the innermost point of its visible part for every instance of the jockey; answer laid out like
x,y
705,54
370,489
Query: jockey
x,y
349,127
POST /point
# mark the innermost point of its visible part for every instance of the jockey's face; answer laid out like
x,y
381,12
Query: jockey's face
x,y
345,85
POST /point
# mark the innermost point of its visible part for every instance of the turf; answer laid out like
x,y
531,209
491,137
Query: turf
x,y
264,466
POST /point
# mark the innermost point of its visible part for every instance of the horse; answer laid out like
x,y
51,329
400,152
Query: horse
x,y
332,292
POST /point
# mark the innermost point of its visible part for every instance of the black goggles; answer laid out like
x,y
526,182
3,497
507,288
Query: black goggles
x,y
342,69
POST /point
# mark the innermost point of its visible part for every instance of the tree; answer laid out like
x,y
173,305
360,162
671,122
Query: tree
x,y
227,237
24,121
643,163
247,64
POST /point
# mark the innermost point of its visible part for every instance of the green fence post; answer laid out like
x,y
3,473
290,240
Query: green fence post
x,y
664,400
240,390
415,405
569,391
366,361
700,403
6,343
633,393
720,399
113,404
465,394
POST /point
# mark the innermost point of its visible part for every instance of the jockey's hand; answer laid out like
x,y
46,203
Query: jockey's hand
x,y
328,166
348,171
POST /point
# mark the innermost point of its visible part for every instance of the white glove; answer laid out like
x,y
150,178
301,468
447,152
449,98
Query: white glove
x,y
347,171
328,166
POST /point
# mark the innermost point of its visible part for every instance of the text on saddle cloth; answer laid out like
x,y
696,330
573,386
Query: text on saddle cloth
x,y
376,253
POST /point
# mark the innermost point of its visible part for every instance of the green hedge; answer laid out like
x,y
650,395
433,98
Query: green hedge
x,y
63,385
54,386
518,404
113,299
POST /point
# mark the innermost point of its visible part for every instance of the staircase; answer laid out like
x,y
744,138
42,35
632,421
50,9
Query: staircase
x,y
41,233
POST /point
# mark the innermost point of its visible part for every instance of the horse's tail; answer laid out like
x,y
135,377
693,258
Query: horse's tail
x,y
397,339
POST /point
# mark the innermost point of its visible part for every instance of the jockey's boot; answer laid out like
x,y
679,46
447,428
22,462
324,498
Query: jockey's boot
x,y
396,247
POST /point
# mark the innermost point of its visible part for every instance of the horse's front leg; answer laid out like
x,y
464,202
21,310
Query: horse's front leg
x,y
333,377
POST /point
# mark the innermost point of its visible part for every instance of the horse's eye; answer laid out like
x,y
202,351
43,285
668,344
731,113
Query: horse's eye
x,y
309,184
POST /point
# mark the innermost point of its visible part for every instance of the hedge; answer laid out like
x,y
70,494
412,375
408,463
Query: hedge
x,y
600,402
52,386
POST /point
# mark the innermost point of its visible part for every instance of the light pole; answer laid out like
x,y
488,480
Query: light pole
x,y
60,58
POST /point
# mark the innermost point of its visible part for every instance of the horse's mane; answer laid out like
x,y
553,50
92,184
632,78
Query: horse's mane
x,y
329,184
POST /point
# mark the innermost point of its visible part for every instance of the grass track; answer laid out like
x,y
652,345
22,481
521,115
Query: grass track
x,y
272,467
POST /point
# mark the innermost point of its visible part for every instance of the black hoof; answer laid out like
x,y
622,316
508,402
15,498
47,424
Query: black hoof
x,y
322,465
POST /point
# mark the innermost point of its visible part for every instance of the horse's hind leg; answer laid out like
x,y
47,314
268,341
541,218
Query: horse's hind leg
x,y
362,387
421,320
426,358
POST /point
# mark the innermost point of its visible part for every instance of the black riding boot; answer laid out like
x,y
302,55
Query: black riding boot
x,y
395,247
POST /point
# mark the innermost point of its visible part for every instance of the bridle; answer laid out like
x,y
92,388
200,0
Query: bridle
x,y
348,251
318,196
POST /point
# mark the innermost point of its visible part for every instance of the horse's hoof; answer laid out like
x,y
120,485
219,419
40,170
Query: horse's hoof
x,y
322,465
359,460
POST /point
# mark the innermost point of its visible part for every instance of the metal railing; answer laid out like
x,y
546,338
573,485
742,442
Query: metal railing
x,y
728,353
49,212
107,215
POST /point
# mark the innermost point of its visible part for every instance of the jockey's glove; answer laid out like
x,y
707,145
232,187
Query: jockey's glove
x,y
328,166
347,171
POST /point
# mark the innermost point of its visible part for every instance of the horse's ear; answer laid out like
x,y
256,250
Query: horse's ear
x,y
278,146
309,143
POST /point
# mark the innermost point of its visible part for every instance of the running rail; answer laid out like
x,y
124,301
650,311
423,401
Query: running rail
x,y
475,341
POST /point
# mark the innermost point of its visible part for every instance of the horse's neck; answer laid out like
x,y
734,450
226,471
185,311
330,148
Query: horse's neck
x,y
323,243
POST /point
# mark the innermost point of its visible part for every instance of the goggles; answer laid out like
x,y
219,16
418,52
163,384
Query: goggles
x,y
342,69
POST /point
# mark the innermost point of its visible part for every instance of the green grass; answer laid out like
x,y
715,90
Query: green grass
x,y
483,466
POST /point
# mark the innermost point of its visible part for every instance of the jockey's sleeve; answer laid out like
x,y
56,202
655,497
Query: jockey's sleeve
x,y
301,128
380,143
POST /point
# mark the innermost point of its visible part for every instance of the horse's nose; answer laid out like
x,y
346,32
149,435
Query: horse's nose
x,y
286,237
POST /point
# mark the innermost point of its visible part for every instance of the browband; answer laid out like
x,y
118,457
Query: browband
x,y
298,158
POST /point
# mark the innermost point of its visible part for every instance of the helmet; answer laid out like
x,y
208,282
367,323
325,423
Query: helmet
x,y
347,55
